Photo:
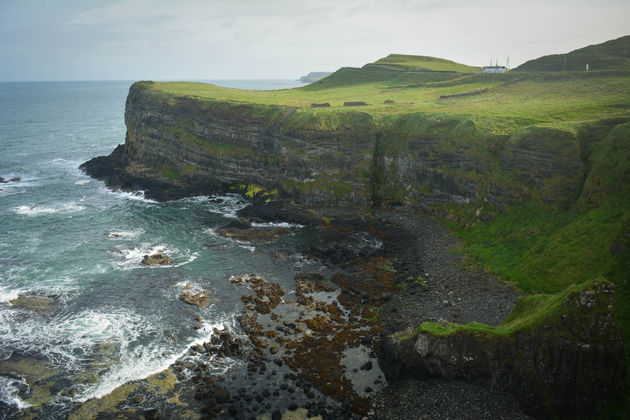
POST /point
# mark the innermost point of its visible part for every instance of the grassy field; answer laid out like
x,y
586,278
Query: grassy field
x,y
512,100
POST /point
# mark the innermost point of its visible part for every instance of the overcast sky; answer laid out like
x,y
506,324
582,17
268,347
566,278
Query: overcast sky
x,y
283,39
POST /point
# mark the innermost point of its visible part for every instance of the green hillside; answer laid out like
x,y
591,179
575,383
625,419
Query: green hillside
x,y
402,62
610,55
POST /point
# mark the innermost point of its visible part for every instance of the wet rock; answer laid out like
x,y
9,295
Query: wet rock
x,y
153,414
367,366
156,259
199,299
239,223
222,396
34,303
251,234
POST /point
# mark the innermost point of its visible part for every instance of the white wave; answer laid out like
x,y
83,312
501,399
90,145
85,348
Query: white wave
x,y
142,362
7,295
226,205
250,248
131,258
9,392
123,234
192,258
137,195
285,225
82,182
67,341
37,210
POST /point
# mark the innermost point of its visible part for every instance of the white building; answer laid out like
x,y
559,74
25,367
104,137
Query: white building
x,y
494,69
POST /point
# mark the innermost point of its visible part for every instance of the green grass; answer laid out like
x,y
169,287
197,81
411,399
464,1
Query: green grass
x,y
420,63
610,55
529,99
530,312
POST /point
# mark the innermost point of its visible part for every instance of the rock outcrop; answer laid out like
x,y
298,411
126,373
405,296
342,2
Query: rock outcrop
x,y
560,361
156,259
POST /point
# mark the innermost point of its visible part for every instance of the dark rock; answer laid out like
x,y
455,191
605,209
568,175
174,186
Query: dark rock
x,y
276,415
367,366
152,414
322,105
293,406
355,103
239,223
199,299
222,396
156,259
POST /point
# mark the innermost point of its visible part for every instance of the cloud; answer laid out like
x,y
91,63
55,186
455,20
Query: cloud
x,y
285,38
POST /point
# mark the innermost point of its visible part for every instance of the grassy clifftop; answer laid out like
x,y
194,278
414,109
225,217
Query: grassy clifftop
x,y
499,103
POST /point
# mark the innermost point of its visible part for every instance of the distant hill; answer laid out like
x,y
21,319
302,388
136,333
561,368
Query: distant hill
x,y
610,55
396,69
403,62
314,76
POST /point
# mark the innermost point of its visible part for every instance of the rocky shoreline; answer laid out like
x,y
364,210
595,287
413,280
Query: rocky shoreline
x,y
316,350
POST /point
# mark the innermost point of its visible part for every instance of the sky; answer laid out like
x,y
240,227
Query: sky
x,y
43,40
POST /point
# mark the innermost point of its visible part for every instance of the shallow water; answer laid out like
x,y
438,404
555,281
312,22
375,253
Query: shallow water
x,y
107,318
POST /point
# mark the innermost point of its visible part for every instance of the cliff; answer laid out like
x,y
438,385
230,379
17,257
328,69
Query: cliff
x,y
179,145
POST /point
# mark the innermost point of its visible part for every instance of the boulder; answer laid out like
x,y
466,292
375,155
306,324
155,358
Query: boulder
x,y
156,259
34,303
199,299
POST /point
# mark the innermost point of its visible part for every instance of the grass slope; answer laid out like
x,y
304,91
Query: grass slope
x,y
404,62
610,55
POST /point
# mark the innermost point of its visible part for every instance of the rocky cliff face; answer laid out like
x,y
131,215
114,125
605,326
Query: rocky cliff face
x,y
563,365
177,146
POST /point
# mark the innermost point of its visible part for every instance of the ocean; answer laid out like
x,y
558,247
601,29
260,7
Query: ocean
x,y
79,313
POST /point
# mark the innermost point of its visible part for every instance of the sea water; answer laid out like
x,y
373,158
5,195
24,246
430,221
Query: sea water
x,y
105,318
